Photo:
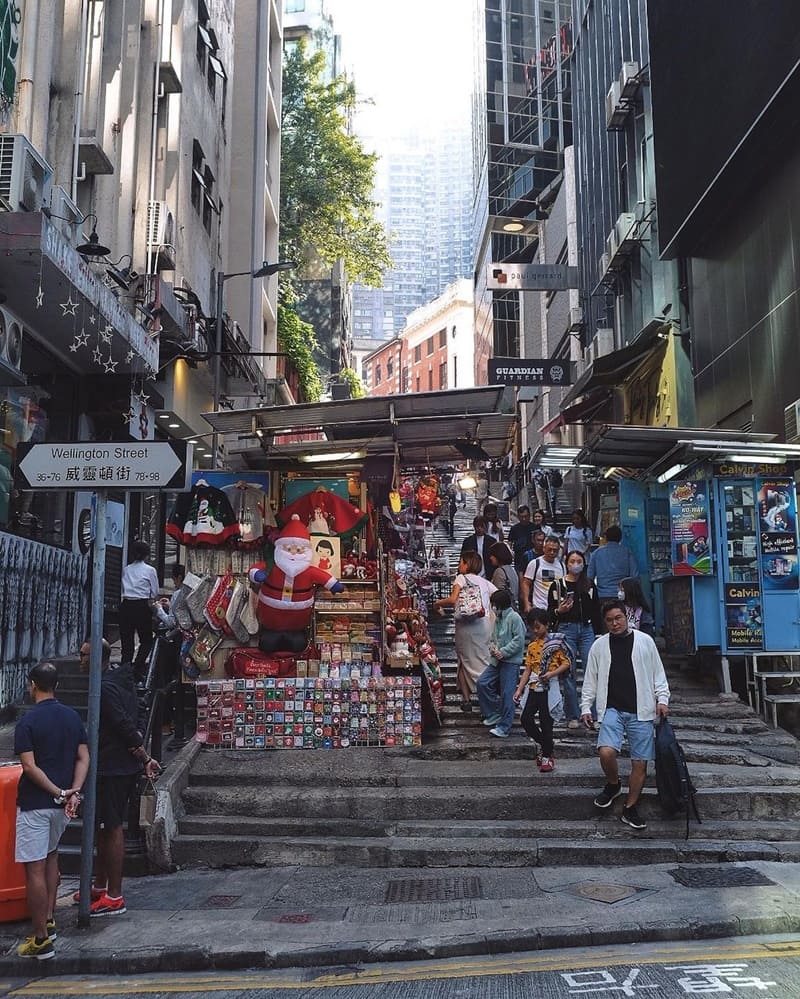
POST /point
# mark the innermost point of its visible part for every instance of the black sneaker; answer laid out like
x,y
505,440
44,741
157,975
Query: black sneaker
x,y
466,707
607,795
632,818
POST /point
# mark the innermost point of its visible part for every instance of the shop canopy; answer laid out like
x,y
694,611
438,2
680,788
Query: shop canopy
x,y
646,452
428,428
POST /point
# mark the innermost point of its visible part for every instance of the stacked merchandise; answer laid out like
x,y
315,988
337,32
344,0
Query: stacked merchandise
x,y
309,713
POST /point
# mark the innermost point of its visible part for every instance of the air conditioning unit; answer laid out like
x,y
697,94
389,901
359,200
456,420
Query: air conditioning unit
x,y
575,320
611,244
791,423
624,232
25,177
616,108
161,235
629,80
602,344
603,264
10,342
65,214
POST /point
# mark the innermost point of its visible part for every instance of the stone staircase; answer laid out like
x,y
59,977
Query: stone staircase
x,y
466,799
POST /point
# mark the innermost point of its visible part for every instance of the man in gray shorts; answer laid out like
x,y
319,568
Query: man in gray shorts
x,y
50,741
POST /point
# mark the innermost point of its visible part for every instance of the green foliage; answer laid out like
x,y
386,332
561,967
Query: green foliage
x,y
297,340
349,377
326,176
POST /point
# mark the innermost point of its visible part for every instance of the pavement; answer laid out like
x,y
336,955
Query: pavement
x,y
303,917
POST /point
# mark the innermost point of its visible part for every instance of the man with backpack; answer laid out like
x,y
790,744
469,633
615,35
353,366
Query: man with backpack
x,y
625,677
540,575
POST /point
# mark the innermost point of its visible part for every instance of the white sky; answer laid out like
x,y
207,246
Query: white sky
x,y
412,58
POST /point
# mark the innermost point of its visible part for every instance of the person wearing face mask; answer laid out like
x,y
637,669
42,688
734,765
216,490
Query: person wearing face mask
x,y
575,607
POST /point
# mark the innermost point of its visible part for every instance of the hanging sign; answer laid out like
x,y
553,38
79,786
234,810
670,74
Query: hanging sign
x,y
688,511
744,621
777,522
92,465
531,277
529,371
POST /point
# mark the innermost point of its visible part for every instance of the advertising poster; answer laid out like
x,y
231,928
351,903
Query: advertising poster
x,y
688,510
744,620
777,521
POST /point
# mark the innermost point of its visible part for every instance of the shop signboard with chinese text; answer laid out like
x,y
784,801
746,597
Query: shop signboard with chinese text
x,y
92,465
690,529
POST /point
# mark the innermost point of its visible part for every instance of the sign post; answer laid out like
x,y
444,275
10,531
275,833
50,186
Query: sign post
x,y
81,466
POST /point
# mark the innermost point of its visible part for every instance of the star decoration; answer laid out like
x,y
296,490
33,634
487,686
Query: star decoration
x,y
98,357
105,333
130,415
69,307
82,338
143,399
129,356
152,372
39,297
110,366
73,347
93,319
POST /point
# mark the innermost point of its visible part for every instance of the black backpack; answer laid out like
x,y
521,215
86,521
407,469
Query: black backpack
x,y
676,792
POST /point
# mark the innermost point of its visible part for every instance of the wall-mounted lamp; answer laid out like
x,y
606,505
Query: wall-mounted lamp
x,y
671,472
94,248
124,277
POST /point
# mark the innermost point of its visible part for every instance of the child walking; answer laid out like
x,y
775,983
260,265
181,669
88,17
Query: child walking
x,y
545,660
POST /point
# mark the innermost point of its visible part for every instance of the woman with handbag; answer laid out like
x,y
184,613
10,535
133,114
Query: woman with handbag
x,y
472,610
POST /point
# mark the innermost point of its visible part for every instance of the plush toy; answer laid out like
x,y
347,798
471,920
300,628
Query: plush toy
x,y
286,595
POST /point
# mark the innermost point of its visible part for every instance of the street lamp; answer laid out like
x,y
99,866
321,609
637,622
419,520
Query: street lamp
x,y
265,270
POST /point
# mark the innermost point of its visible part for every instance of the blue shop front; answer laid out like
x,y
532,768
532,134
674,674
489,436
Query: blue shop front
x,y
711,517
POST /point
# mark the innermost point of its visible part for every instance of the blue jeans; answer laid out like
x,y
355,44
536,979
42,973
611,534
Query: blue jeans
x,y
581,638
496,686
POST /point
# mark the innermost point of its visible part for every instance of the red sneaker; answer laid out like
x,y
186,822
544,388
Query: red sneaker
x,y
107,906
95,894
547,765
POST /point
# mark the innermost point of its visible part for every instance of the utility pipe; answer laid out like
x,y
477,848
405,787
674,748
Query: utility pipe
x,y
80,83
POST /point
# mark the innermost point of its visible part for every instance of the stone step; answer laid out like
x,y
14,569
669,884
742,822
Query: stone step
x,y
602,827
527,801
418,852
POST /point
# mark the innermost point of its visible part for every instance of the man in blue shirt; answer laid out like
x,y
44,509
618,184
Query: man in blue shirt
x,y
610,564
50,741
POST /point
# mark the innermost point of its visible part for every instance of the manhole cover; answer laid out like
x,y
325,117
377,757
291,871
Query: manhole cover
x,y
607,893
220,901
719,877
295,917
433,890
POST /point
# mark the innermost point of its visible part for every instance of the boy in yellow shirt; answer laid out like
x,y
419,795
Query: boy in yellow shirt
x,y
547,658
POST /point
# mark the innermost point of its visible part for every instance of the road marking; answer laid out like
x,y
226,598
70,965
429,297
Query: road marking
x,y
425,971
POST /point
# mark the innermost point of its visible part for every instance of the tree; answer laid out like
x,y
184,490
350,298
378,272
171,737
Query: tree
x,y
297,340
351,378
326,175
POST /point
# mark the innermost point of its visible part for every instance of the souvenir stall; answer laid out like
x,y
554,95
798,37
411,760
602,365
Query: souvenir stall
x,y
711,517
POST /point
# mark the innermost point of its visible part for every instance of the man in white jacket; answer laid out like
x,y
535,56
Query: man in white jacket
x,y
625,678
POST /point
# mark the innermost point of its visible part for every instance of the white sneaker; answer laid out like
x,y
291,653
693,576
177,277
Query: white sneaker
x,y
498,732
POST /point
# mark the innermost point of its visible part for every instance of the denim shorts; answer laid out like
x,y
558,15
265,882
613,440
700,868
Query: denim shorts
x,y
641,734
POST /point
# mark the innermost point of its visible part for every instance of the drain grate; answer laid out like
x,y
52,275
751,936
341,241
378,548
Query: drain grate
x,y
433,890
719,877
220,901
297,918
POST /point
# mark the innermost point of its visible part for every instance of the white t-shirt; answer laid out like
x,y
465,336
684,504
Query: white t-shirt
x,y
577,539
543,574
487,588
139,582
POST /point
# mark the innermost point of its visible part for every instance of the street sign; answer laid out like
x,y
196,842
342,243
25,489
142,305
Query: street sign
x,y
93,465
529,371
531,277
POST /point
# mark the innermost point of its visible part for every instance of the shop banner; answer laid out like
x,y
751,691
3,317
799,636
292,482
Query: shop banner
x,y
688,509
744,620
777,520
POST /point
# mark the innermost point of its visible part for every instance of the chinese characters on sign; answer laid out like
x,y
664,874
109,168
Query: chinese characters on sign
x,y
688,508
160,465
699,979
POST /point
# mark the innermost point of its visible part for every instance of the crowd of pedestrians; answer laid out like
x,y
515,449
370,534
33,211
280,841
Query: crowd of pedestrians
x,y
530,607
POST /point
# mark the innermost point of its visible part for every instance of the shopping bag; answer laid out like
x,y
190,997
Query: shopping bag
x,y
147,803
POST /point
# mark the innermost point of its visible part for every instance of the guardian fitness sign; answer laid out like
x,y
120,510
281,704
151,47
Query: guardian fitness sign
x,y
529,371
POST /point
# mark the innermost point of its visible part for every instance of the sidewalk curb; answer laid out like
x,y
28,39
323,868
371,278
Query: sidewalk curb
x,y
374,952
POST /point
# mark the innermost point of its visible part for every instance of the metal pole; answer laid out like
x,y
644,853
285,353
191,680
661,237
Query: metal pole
x,y
93,721
217,366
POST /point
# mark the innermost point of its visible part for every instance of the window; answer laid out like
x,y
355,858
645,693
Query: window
x,y
389,367
443,375
294,6
443,338
430,379
377,374
429,346
198,181
209,206
417,353
418,380
455,371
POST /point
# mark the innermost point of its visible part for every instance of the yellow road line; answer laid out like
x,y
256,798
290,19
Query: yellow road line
x,y
466,968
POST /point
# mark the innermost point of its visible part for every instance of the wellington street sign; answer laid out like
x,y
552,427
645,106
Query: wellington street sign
x,y
92,465
529,371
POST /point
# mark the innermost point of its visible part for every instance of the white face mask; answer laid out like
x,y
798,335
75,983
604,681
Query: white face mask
x,y
576,568
620,594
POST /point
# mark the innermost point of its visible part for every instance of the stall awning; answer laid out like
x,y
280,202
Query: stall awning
x,y
612,369
578,413
428,428
59,297
651,451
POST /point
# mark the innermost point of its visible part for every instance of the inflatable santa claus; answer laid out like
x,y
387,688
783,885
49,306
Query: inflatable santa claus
x,y
286,594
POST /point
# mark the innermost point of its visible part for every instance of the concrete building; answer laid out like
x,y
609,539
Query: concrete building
x,y
522,118
125,152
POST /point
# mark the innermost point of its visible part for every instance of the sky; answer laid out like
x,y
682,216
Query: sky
x,y
412,58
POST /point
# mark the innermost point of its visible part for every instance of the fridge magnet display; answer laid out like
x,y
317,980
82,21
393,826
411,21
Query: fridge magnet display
x,y
688,504
744,619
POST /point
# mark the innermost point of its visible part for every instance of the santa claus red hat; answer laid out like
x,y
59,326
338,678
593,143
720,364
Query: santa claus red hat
x,y
295,530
